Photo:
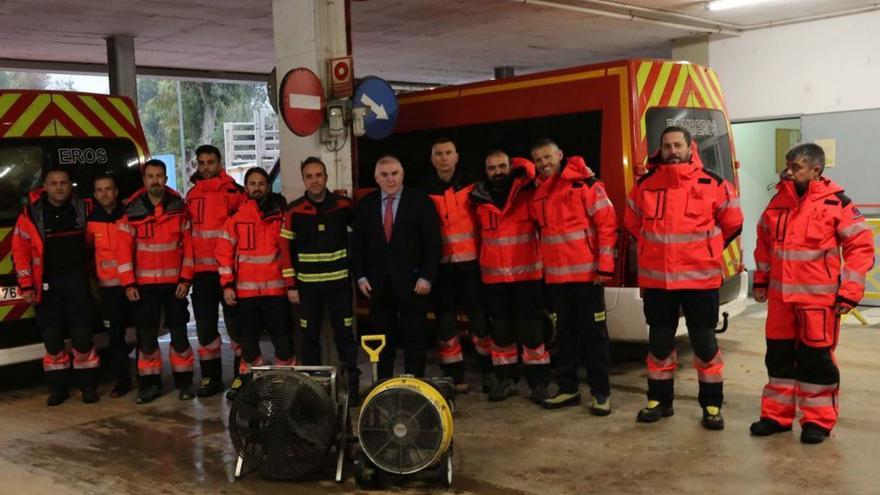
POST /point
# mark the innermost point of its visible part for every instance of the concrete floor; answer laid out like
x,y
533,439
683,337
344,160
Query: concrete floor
x,y
513,447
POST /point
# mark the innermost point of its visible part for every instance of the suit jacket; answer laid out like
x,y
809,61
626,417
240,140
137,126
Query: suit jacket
x,y
414,250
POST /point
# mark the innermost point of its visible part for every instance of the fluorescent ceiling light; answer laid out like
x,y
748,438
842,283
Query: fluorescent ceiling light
x,y
732,4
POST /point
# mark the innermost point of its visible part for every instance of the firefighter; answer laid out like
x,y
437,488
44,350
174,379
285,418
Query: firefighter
x,y
213,198
578,229
683,216
103,236
802,234
49,253
317,227
510,267
156,267
255,272
458,280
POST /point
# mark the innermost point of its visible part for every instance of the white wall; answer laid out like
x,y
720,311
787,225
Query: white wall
x,y
822,66
756,151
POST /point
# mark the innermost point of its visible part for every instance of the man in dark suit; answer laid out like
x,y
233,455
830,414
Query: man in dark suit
x,y
396,250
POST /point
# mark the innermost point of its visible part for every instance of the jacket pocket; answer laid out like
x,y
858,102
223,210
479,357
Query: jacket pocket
x,y
817,228
696,205
653,203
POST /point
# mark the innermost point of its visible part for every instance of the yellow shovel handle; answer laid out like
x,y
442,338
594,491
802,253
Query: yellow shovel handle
x,y
373,351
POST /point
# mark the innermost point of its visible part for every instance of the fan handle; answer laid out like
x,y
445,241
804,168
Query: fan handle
x,y
373,352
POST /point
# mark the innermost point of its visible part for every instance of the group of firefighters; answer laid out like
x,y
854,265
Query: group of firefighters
x,y
493,248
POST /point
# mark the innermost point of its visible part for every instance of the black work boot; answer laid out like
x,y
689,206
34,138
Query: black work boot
x,y
88,384
504,388
236,364
183,383
712,419
212,378
813,433
150,389
765,427
654,412
538,378
237,384
57,381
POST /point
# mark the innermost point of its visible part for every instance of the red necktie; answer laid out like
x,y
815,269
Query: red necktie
x,y
388,221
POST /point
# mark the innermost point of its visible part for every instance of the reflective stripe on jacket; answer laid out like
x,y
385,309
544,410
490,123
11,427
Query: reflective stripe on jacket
x,y
577,224
509,239
103,235
801,241
156,241
457,219
210,203
253,255
683,216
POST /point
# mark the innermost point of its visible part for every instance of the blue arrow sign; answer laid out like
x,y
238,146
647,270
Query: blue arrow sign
x,y
376,95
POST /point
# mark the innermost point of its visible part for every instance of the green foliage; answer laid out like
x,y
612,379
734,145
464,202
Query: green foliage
x,y
23,80
204,103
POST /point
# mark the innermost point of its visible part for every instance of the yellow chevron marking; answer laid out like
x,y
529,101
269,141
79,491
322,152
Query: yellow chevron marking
x,y
29,116
49,131
123,109
105,117
60,130
78,118
4,310
6,102
698,84
679,87
657,92
28,313
642,76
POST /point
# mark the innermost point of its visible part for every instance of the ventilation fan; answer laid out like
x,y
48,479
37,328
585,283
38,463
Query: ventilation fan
x,y
286,420
405,428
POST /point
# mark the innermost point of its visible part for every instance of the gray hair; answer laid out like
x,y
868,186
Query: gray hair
x,y
813,153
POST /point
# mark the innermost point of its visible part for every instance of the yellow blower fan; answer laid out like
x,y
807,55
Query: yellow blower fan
x,y
404,427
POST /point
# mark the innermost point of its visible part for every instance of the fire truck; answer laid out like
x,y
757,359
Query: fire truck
x,y
88,134
609,113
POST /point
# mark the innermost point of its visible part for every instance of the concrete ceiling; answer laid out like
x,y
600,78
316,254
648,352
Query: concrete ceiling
x,y
432,41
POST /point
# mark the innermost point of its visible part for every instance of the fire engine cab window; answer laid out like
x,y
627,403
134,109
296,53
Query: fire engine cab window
x,y
708,127
20,169
22,162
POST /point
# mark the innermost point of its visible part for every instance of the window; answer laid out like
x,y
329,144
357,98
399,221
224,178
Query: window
x,y
22,162
708,127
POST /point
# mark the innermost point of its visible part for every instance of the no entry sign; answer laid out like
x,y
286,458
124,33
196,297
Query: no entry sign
x,y
302,101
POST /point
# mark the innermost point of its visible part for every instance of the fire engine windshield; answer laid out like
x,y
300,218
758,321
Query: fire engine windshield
x,y
23,161
708,127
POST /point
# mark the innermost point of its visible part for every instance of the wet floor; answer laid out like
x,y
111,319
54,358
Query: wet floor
x,y
171,447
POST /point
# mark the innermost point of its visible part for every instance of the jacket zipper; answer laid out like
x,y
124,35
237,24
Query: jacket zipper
x,y
709,243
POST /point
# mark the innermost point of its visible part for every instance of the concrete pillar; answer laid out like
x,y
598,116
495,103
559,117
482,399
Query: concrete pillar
x,y
307,34
692,49
121,66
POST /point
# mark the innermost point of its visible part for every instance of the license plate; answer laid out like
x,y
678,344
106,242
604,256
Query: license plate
x,y
9,294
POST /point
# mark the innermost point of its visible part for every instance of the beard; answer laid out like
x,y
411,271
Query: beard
x,y
156,189
500,181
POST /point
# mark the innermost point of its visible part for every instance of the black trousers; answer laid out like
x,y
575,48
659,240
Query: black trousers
x,y
66,304
458,285
516,312
115,307
338,301
156,300
271,313
401,320
581,327
662,311
207,296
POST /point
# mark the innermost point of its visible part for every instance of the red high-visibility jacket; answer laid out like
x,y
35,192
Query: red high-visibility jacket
x,y
103,235
253,255
156,241
210,203
800,243
683,217
508,236
457,219
28,241
577,224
